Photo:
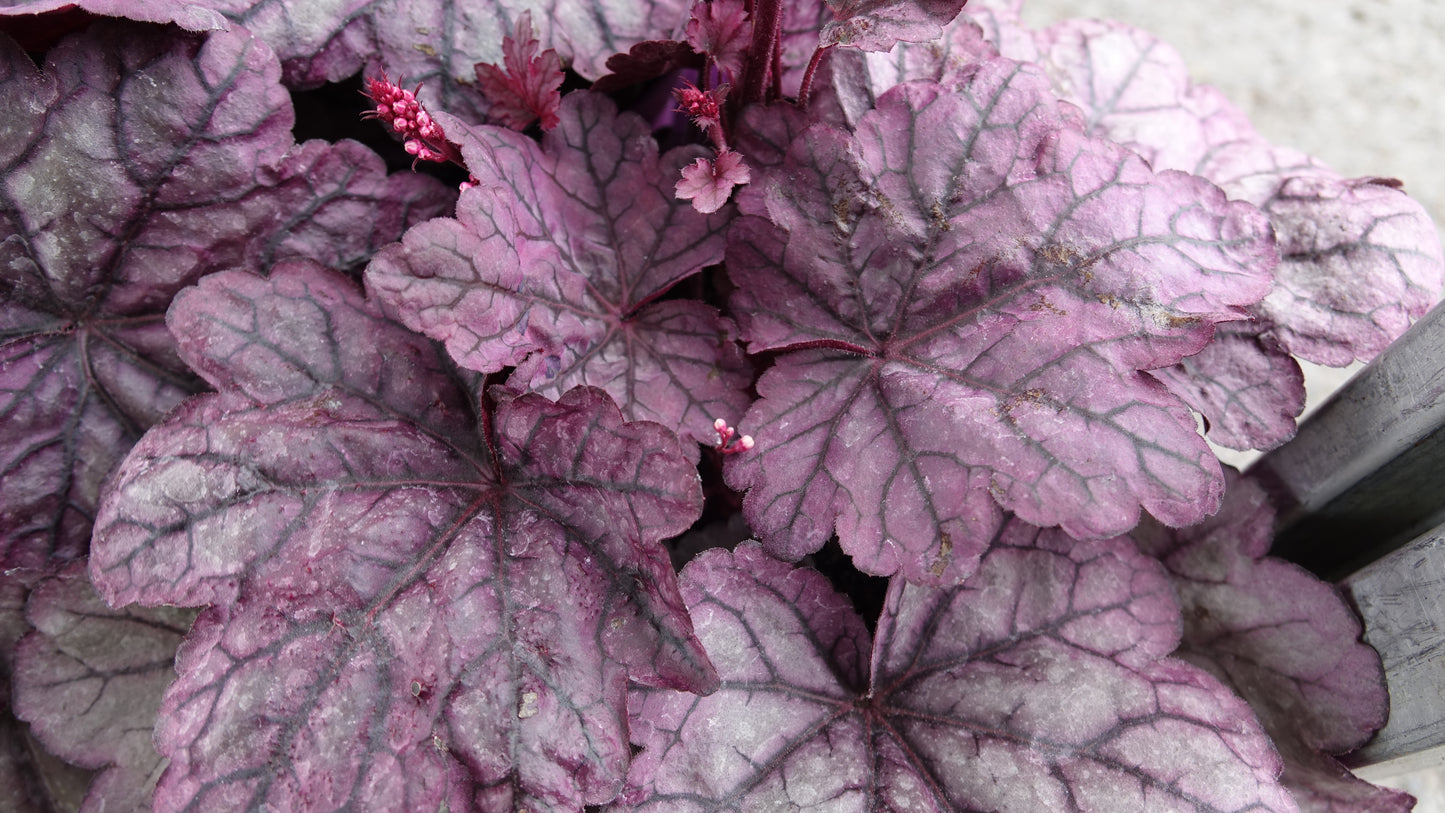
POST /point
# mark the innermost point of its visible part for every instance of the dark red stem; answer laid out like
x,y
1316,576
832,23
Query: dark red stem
x,y
807,88
767,21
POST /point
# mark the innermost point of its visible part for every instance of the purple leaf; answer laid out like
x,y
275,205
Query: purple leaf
x,y
1248,389
190,16
1039,684
142,160
433,43
1360,259
133,159
555,260
878,25
411,604
89,681
338,206
947,60
968,290
1285,641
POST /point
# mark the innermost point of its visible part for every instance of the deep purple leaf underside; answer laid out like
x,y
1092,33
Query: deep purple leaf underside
x,y
407,607
555,260
1039,684
965,292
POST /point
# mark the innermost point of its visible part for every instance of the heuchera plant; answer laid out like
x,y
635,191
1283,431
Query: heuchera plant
x,y
333,486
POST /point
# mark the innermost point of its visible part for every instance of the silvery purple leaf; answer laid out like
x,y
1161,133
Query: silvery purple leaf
x,y
1249,390
1359,259
1041,683
554,264
878,25
336,204
89,682
137,162
416,598
132,161
190,16
432,43
860,78
1004,27
1286,642
963,295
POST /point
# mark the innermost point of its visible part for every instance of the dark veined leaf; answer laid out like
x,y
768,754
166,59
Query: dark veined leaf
x,y
437,43
417,598
877,25
1038,684
89,682
138,161
1359,259
964,295
556,260
1286,642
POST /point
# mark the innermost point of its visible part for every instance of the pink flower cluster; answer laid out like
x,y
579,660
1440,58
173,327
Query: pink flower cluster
x,y
399,108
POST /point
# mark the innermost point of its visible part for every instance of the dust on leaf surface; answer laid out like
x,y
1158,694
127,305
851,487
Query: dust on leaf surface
x,y
963,295
878,25
418,594
1041,683
555,263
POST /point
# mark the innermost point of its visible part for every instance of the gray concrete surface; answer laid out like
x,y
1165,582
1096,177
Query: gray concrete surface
x,y
1358,83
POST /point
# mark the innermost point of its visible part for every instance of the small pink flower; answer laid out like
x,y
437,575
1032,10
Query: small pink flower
x,y
709,184
704,107
725,435
398,107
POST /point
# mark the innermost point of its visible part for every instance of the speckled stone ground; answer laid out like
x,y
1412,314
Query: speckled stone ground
x,y
1358,83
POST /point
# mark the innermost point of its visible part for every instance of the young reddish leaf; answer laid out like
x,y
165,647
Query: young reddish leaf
x,y
89,682
969,290
1286,642
526,89
555,260
721,30
877,25
409,607
1038,684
